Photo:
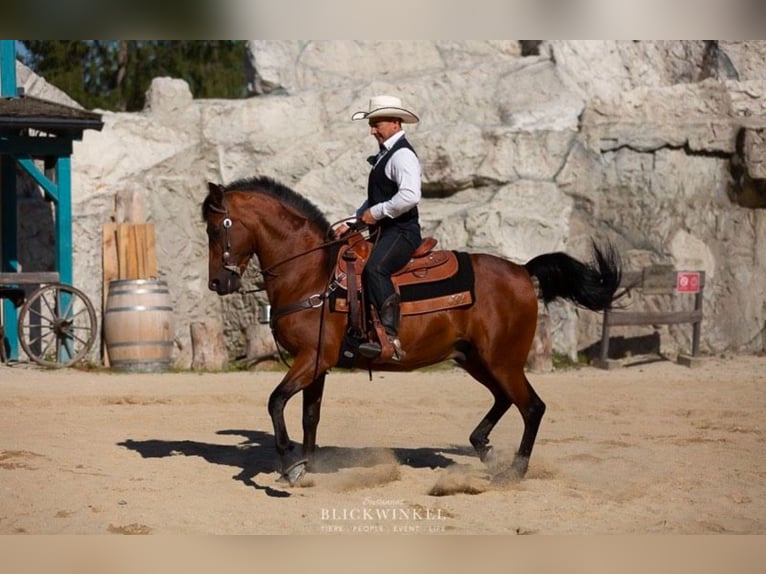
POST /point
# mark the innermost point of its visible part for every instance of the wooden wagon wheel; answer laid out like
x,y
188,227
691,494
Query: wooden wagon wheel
x,y
57,325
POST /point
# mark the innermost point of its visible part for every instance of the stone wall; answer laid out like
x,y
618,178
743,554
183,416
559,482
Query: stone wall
x,y
656,146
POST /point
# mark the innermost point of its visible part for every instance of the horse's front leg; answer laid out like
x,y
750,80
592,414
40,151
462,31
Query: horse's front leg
x,y
312,404
299,377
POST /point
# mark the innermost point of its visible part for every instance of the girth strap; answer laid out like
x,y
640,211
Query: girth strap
x,y
314,301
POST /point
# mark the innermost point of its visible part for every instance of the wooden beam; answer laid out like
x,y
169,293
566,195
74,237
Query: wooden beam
x,y
614,318
29,278
50,188
35,146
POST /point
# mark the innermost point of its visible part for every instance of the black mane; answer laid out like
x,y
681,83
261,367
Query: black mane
x,y
269,186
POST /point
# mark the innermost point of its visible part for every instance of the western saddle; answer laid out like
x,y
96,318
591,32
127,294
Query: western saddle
x,y
425,266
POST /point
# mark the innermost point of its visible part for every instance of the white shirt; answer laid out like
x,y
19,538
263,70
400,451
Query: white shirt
x,y
403,168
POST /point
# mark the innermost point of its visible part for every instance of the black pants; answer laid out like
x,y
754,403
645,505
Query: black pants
x,y
392,251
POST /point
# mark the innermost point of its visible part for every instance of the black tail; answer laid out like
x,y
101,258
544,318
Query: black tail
x,y
592,286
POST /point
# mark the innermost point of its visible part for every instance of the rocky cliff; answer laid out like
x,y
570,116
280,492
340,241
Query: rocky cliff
x,y
527,147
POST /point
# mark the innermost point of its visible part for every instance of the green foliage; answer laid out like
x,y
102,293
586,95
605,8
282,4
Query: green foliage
x,y
115,74
562,361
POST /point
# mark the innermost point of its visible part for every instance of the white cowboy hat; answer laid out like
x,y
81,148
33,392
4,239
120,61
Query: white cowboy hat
x,y
387,107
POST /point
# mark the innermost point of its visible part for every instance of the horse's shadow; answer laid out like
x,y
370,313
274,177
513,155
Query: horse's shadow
x,y
255,455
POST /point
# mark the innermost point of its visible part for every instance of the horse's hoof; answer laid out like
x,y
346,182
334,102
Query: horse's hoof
x,y
519,466
510,474
489,456
295,472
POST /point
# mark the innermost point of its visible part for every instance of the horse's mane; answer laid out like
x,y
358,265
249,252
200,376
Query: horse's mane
x,y
279,191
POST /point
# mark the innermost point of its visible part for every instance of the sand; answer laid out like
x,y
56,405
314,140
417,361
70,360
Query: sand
x,y
650,448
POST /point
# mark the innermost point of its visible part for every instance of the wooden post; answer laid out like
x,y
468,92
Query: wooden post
x,y
110,272
208,346
129,206
541,354
260,345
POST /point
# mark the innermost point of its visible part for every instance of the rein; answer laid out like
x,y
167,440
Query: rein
x,y
227,223
314,301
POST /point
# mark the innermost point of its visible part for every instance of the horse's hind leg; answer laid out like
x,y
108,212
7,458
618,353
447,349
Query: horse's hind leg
x,y
510,388
532,409
480,436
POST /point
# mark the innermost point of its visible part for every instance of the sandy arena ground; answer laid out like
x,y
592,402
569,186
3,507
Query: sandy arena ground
x,y
650,448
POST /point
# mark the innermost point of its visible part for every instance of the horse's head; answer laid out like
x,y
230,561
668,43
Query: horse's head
x,y
228,243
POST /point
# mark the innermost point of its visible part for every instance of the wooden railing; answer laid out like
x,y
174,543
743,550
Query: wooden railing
x,y
12,284
29,278
656,280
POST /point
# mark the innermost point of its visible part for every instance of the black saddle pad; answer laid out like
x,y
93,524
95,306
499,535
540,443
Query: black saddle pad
x,y
462,281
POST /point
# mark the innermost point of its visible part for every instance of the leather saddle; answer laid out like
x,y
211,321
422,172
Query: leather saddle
x,y
425,266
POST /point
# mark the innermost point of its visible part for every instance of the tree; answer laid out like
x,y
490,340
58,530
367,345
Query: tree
x,y
115,74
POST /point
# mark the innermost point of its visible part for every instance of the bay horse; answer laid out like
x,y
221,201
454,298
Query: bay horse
x,y
490,339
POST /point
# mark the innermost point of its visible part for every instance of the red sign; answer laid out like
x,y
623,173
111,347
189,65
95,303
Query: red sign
x,y
687,282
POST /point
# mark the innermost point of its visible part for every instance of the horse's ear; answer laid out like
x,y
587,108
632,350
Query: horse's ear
x,y
216,193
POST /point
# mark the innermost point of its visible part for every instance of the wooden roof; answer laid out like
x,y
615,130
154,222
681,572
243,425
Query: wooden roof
x,y
28,112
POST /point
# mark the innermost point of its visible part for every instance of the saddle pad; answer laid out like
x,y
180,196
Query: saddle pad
x,y
417,298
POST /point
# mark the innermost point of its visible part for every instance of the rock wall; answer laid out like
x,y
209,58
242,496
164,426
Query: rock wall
x,y
527,147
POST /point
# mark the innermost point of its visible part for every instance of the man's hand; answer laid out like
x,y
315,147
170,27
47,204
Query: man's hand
x,y
367,218
340,231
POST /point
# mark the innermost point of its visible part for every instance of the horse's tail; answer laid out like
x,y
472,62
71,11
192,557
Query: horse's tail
x,y
592,286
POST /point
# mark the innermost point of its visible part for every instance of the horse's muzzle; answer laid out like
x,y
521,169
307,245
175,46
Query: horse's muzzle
x,y
225,285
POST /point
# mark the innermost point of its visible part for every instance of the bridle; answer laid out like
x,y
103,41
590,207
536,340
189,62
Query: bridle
x,y
313,301
226,223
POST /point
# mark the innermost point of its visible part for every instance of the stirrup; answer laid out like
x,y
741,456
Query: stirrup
x,y
370,349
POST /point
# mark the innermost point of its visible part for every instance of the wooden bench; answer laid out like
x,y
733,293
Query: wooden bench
x,y
661,280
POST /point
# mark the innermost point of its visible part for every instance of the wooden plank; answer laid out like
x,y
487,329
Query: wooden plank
x,y
614,318
109,257
635,279
659,279
123,244
133,253
29,277
110,271
140,231
631,279
151,251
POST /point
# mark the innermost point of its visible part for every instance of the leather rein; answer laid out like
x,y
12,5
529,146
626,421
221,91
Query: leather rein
x,y
313,301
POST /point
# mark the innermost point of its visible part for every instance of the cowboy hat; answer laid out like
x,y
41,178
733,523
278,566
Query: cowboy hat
x,y
387,107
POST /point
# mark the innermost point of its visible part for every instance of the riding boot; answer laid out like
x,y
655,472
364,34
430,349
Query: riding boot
x,y
390,316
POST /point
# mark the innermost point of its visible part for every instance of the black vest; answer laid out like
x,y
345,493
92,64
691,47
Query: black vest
x,y
380,188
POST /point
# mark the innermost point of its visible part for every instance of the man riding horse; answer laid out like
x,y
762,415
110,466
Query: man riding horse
x,y
391,212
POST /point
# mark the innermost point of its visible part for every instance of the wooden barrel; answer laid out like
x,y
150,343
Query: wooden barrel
x,y
138,325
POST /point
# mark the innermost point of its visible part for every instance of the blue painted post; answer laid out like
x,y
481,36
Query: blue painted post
x,y
8,68
64,234
9,255
64,220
